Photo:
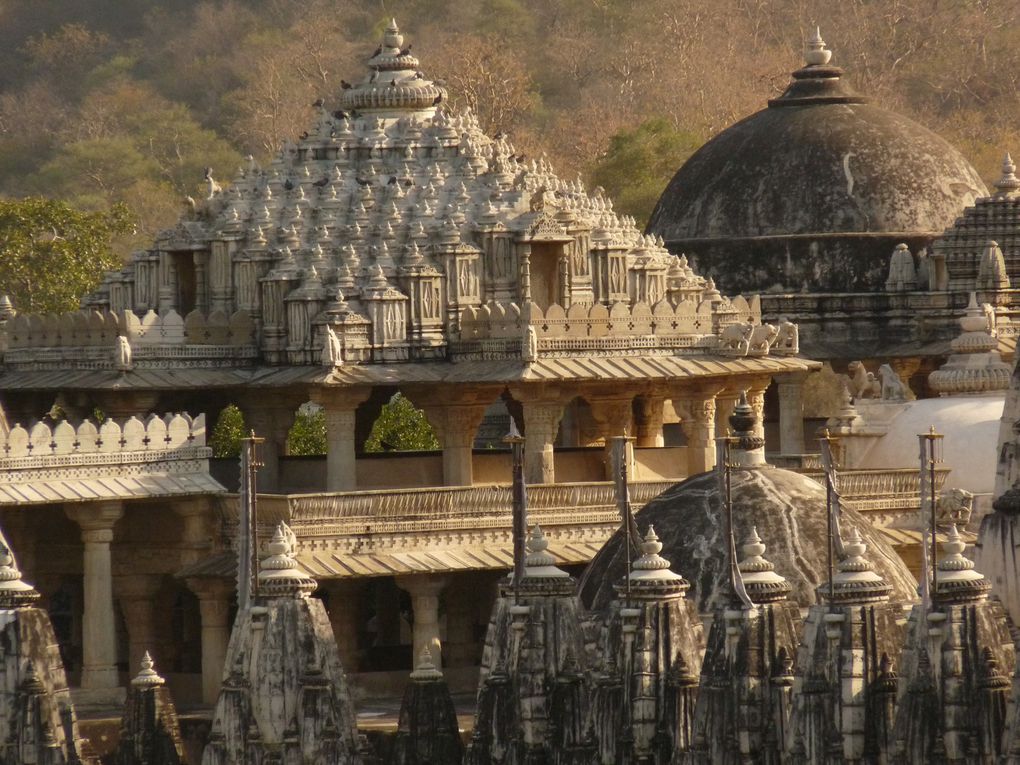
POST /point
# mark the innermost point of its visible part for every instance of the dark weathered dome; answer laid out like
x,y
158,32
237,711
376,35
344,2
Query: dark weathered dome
x,y
816,190
789,512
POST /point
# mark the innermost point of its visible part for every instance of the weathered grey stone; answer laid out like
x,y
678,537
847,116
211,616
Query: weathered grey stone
x,y
150,732
427,732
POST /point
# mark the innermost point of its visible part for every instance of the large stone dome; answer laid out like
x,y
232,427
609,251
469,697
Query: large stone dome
x,y
814,191
789,512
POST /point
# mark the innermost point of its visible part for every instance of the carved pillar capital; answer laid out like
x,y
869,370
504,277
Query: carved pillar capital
x,y
96,519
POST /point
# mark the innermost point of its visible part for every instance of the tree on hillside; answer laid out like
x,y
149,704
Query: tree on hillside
x,y
639,163
53,254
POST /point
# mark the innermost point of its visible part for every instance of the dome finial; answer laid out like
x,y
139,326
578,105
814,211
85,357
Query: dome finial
x,y
1008,184
759,575
816,54
956,580
147,676
749,447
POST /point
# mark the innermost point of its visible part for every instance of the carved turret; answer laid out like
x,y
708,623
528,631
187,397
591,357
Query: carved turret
x,y
37,719
748,666
950,664
427,732
284,694
150,732
844,702
541,707
643,701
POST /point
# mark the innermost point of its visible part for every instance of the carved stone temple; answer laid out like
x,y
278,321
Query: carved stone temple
x,y
396,248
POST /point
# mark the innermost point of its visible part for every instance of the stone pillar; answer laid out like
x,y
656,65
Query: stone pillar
x,y
197,533
214,607
724,404
756,398
613,416
698,423
456,426
649,422
136,594
345,618
340,407
424,590
99,635
791,413
272,423
541,423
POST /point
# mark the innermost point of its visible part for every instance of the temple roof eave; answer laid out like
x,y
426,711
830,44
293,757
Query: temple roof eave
x,y
567,368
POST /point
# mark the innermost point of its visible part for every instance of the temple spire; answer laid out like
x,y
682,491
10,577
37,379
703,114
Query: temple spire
x,y
815,53
1008,184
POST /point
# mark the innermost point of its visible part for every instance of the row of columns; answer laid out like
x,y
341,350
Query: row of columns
x,y
704,411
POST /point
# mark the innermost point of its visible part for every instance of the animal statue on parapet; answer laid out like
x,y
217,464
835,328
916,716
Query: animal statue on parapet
x,y
861,383
787,342
892,386
954,506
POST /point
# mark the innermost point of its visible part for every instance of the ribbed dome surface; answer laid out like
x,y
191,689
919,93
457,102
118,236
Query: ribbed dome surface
x,y
788,510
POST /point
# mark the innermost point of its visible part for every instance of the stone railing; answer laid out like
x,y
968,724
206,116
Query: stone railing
x,y
129,459
440,511
93,339
156,438
507,328
881,490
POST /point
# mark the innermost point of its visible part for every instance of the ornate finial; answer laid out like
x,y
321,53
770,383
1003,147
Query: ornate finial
x,y
147,677
14,593
539,563
975,366
749,447
426,669
761,581
855,580
956,581
650,566
1008,184
279,575
815,53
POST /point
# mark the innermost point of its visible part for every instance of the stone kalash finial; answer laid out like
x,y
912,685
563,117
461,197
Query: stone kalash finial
x,y
395,82
748,448
650,566
539,563
956,580
147,676
975,366
427,730
761,581
855,581
279,575
1008,185
992,274
815,52
14,593
150,731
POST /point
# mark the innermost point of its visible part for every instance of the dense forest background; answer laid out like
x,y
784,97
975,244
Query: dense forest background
x,y
127,102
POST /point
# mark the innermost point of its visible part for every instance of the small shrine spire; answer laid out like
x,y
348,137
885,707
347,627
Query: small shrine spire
x,y
815,52
14,593
1008,185
425,669
761,581
539,563
956,580
279,575
147,676
855,580
748,447
651,566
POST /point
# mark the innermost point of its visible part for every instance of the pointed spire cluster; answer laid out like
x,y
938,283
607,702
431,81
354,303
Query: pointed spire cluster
x,y
279,575
761,581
